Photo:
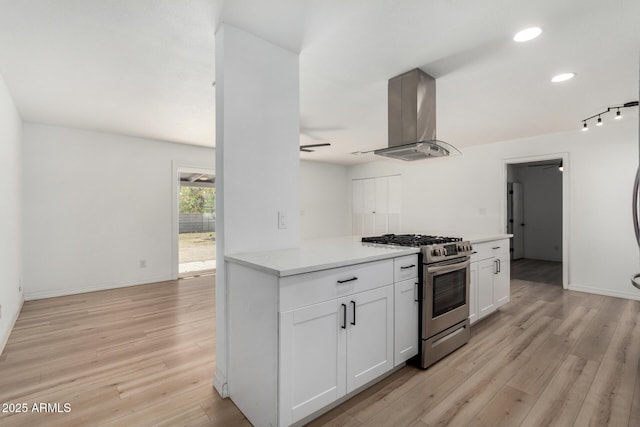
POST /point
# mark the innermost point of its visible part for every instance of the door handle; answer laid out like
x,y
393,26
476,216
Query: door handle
x,y
354,312
344,316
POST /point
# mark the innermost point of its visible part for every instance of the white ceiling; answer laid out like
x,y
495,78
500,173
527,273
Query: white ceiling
x,y
146,67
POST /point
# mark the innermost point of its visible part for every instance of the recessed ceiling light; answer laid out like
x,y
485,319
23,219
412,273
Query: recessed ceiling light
x,y
527,34
563,77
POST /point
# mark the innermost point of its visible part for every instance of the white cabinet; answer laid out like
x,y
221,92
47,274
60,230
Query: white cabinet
x,y
369,336
406,306
313,361
490,278
502,279
332,348
376,205
486,270
406,320
328,349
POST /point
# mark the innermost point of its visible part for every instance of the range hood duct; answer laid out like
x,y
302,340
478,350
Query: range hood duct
x,y
412,119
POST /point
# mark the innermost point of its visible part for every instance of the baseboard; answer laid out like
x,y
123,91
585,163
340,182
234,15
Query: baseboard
x,y
5,339
29,296
607,292
220,384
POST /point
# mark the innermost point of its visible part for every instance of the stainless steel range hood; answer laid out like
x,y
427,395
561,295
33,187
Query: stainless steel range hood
x,y
412,119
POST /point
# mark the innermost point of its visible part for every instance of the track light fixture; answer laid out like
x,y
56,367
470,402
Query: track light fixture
x,y
599,122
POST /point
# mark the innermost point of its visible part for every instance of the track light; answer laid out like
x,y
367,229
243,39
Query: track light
x,y
614,107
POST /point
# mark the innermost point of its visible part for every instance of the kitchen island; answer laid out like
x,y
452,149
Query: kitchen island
x,y
313,325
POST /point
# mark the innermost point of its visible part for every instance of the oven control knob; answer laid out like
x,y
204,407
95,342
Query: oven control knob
x,y
434,252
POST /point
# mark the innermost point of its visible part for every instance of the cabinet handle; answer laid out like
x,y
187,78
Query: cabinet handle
x,y
495,247
495,266
415,292
354,312
404,267
348,280
499,265
344,316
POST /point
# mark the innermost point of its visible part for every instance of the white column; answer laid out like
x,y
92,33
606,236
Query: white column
x,y
257,158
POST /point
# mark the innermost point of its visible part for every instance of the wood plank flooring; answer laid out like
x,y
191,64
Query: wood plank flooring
x,y
145,356
536,270
548,358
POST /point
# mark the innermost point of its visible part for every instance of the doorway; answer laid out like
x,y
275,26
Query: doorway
x,y
536,212
195,222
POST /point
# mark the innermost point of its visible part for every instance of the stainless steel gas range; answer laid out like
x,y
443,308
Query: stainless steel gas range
x,y
443,291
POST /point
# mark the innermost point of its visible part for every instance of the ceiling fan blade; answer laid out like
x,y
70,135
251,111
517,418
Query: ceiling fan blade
x,y
325,144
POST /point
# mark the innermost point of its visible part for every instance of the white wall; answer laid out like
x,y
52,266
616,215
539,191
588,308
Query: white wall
x,y
10,213
466,194
257,172
324,200
95,204
542,191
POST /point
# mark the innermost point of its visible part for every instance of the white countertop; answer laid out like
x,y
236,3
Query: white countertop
x,y
471,237
480,238
318,254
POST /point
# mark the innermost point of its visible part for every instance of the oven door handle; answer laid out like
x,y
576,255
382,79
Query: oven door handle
x,y
439,269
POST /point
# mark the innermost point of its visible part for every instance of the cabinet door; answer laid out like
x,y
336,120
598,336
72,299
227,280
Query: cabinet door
x,y
312,359
473,292
369,336
486,270
406,337
501,281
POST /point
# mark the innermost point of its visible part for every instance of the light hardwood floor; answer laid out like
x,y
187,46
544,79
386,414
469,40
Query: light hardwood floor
x,y
536,270
145,356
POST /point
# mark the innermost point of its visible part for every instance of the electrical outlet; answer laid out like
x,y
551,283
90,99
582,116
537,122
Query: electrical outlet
x,y
143,263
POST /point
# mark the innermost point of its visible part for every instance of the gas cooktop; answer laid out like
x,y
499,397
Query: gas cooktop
x,y
416,240
433,248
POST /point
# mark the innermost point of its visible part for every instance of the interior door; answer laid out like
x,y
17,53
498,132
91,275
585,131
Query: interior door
x,y
516,219
357,195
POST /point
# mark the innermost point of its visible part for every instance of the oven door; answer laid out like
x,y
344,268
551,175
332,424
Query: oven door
x,y
445,296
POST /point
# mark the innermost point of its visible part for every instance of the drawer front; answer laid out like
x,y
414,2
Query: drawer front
x,y
500,248
482,251
494,248
405,267
311,288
